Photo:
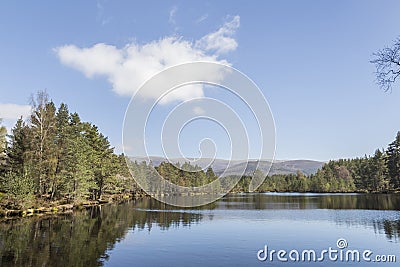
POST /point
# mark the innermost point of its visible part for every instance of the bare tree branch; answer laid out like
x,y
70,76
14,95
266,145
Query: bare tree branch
x,y
387,64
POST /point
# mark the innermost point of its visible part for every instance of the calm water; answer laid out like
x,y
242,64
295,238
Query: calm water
x,y
229,232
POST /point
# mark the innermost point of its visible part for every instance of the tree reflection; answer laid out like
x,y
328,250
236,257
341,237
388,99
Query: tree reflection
x,y
84,237
312,201
81,238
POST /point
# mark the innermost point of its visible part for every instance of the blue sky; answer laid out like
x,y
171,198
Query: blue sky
x,y
309,58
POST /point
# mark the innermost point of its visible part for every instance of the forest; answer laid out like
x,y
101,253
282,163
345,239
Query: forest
x,y
379,173
54,157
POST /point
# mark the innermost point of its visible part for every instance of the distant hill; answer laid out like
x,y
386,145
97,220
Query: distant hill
x,y
237,166
277,167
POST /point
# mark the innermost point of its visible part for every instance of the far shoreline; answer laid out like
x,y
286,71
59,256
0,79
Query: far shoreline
x,y
54,208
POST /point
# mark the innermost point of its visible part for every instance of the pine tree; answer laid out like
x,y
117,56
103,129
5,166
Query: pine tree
x,y
378,172
393,162
76,164
18,146
101,158
210,175
16,182
62,140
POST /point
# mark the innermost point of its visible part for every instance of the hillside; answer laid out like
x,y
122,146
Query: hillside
x,y
219,165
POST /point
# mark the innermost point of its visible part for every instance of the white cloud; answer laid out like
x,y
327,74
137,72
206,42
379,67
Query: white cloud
x,y
10,113
221,41
14,111
127,68
101,14
172,14
100,59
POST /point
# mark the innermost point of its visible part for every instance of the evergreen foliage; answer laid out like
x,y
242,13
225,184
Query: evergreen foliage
x,y
54,155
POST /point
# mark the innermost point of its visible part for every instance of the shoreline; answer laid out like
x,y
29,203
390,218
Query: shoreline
x,y
9,214
54,208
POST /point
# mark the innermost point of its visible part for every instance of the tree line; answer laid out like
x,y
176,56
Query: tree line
x,y
377,173
54,155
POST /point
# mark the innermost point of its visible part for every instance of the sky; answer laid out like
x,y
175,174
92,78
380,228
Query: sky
x,y
310,59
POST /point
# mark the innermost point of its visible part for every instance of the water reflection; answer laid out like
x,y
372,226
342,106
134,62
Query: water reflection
x,y
85,238
313,201
80,238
